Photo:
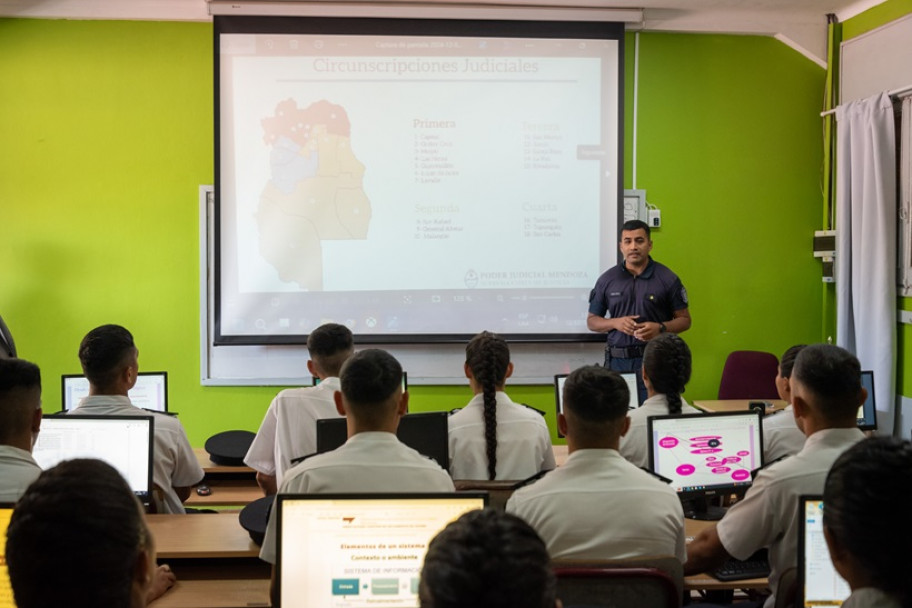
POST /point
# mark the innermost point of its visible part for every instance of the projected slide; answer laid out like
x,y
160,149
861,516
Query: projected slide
x,y
701,451
414,185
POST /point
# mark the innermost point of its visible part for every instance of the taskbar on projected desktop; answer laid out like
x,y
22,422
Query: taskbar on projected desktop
x,y
290,340
418,316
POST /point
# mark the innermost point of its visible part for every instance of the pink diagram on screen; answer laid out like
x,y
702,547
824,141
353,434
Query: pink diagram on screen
x,y
711,455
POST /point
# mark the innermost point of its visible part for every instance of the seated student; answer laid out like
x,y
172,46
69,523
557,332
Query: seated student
x,y
487,559
289,429
866,525
666,371
373,459
492,437
77,538
598,505
781,436
110,362
20,420
826,391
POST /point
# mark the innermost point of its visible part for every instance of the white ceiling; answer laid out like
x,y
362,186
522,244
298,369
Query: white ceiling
x,y
799,23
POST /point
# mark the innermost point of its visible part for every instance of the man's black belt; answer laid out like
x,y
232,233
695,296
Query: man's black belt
x,y
628,352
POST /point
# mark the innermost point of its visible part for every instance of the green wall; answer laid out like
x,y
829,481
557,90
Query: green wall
x,y
106,133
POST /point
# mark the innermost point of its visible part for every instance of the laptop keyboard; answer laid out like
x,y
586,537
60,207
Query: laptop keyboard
x,y
756,566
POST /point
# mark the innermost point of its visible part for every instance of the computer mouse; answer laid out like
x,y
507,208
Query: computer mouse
x,y
203,490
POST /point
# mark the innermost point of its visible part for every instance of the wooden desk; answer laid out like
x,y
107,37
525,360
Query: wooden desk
x,y
236,583
230,486
202,535
736,405
216,563
202,456
228,492
560,454
703,581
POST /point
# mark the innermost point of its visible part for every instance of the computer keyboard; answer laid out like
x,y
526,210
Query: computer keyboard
x,y
756,566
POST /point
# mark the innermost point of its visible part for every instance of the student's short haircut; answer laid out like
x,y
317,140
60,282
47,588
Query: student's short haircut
x,y
103,353
330,345
370,376
596,394
637,225
74,538
833,375
787,361
17,376
487,559
864,499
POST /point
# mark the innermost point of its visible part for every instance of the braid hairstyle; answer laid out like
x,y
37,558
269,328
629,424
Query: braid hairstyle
x,y
488,356
668,364
868,480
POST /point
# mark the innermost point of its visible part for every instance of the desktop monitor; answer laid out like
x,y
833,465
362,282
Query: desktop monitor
x,y
150,391
6,590
124,442
360,549
867,413
818,582
706,455
426,433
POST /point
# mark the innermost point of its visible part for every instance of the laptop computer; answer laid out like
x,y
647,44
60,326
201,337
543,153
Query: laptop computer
x,y
425,432
316,381
867,413
149,393
124,442
358,549
6,590
818,582
629,378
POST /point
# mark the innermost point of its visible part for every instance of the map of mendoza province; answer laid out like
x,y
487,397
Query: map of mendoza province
x,y
314,193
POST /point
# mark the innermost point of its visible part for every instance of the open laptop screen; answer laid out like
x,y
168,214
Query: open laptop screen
x,y
150,391
6,590
818,582
124,442
630,379
359,550
867,413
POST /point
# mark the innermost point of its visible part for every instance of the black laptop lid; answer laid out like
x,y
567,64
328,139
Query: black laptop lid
x,y
426,433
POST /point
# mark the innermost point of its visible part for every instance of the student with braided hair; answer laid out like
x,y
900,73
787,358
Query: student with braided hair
x,y
492,437
666,371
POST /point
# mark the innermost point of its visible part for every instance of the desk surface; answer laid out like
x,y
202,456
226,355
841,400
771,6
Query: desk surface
x,y
202,457
692,528
235,583
735,405
226,492
200,535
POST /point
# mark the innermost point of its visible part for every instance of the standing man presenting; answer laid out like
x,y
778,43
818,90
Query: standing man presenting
x,y
642,299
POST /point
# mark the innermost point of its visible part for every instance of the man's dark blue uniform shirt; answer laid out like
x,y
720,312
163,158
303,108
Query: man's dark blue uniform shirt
x,y
653,295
